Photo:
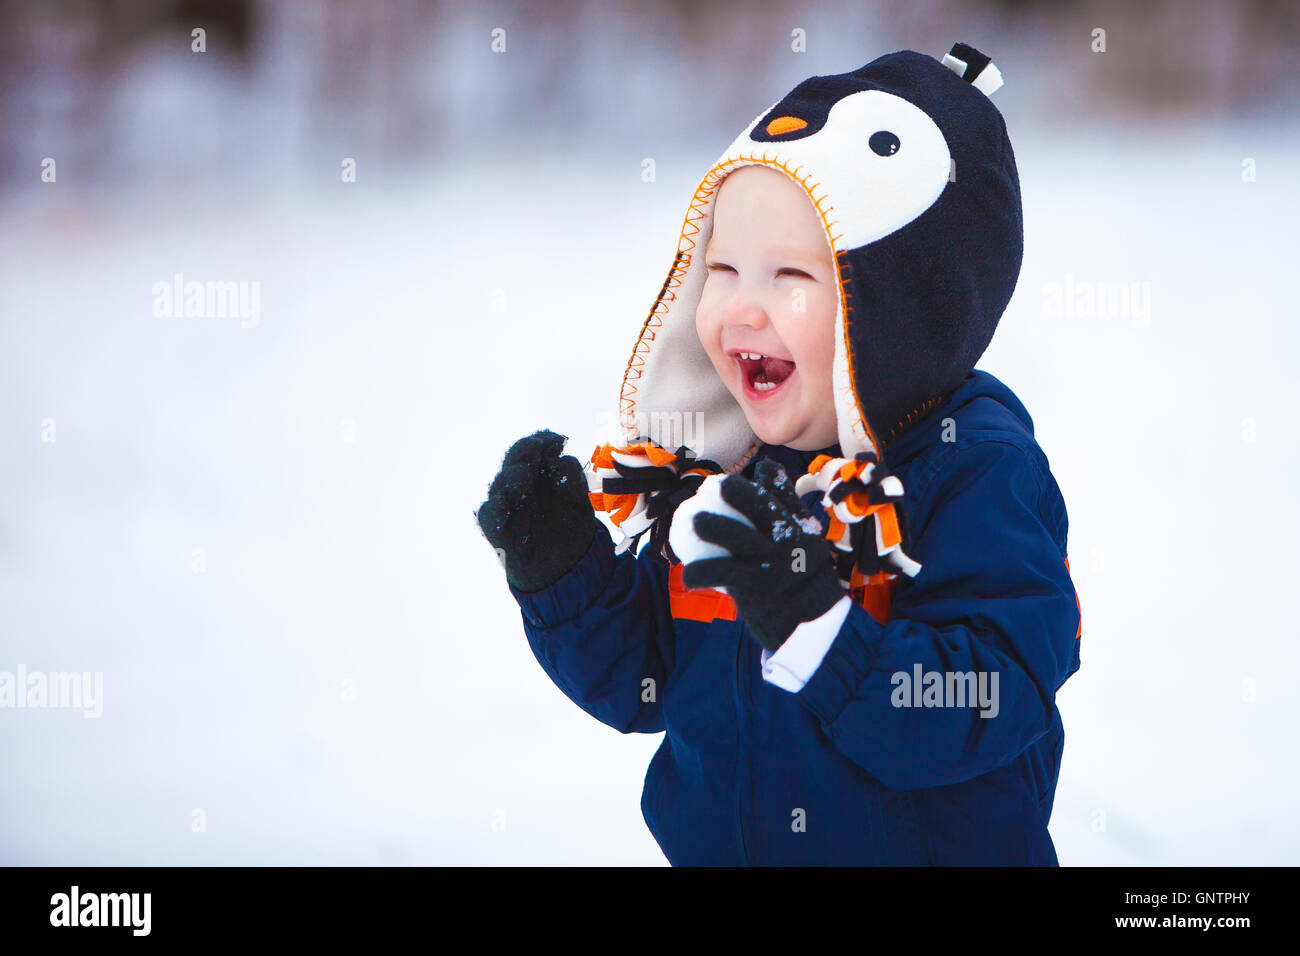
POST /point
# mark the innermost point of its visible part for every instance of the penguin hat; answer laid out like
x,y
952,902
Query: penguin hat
x,y
909,166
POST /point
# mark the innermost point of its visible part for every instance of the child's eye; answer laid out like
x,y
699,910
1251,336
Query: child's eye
x,y
785,270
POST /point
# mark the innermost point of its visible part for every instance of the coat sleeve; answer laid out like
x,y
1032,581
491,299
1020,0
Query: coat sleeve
x,y
604,634
994,595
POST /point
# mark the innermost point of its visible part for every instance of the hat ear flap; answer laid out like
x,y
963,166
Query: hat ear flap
x,y
973,67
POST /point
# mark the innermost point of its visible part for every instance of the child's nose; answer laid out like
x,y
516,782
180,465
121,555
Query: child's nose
x,y
744,309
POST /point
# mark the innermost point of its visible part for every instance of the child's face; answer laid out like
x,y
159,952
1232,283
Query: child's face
x,y
772,288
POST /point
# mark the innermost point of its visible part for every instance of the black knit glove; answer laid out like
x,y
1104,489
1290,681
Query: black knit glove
x,y
774,586
538,513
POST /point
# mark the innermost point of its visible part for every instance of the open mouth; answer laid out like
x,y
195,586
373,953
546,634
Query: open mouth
x,y
763,375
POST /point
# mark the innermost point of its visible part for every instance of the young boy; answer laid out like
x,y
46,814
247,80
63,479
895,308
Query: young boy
x,y
858,667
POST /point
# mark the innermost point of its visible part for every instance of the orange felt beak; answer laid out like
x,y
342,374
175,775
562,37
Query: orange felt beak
x,y
784,124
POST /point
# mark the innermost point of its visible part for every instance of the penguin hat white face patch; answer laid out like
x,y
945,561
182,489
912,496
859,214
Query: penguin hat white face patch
x,y
879,159
902,159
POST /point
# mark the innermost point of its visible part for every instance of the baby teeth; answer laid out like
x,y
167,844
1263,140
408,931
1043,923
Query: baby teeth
x,y
764,386
755,356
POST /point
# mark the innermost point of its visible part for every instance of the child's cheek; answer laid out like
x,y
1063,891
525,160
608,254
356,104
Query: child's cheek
x,y
706,327
816,331
826,338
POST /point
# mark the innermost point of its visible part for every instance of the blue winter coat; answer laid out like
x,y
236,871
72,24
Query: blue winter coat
x,y
836,774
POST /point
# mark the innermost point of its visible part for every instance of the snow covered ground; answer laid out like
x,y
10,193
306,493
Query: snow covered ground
x,y
338,674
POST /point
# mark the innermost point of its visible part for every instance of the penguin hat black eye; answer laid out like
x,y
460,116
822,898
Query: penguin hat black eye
x,y
883,143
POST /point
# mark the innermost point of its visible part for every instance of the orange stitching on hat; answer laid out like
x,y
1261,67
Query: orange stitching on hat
x,y
682,261
744,459
925,406
647,334
842,268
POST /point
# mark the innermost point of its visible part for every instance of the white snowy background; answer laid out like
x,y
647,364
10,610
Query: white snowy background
x,y
448,303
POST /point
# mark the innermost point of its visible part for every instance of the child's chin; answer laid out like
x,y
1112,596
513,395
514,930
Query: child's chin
x,y
766,422
768,432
